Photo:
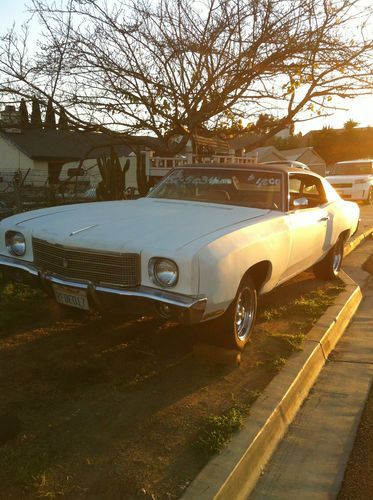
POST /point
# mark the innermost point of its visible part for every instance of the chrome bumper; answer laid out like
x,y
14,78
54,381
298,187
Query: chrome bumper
x,y
190,308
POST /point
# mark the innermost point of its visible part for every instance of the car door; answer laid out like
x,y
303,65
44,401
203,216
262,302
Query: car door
x,y
309,226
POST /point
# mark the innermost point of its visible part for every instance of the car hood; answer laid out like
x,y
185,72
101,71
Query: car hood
x,y
132,225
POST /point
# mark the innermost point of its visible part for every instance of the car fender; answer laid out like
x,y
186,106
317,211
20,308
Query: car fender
x,y
224,261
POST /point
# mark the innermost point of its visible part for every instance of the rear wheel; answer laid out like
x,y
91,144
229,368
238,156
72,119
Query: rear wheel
x,y
329,267
238,321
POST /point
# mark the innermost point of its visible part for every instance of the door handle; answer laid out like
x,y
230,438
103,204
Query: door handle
x,y
324,219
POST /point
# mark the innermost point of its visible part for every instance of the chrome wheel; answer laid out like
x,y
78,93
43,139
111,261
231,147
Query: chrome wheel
x,y
244,313
236,324
328,268
337,257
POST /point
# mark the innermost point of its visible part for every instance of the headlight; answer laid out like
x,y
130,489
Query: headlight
x,y
15,243
163,272
360,181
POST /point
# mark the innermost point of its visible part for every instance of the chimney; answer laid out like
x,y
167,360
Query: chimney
x,y
9,116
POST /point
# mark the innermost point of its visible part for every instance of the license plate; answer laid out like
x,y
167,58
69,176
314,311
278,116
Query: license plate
x,y
71,297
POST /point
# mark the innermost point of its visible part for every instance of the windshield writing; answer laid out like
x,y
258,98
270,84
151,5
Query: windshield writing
x,y
230,187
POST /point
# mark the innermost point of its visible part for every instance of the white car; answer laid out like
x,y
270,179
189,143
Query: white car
x,y
201,246
353,179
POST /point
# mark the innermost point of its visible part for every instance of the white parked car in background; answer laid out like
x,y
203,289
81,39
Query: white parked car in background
x,y
353,179
201,246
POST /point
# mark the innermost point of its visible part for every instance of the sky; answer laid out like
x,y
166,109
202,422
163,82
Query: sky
x,y
358,109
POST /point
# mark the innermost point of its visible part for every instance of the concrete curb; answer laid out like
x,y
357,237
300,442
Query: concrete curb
x,y
351,245
234,473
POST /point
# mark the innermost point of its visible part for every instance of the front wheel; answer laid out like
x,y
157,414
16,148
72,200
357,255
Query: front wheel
x,y
329,267
238,321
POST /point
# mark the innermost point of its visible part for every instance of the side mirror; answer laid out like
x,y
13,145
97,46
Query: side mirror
x,y
300,203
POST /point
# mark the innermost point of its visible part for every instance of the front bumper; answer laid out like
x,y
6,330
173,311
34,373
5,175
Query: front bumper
x,y
181,307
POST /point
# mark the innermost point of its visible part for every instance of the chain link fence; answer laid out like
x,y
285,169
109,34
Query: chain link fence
x,y
23,190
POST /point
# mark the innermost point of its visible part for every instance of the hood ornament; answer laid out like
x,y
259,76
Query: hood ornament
x,y
82,229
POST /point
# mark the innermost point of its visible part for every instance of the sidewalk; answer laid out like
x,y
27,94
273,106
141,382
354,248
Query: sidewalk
x,y
310,461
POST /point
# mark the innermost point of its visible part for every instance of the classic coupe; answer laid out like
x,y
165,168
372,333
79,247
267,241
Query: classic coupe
x,y
204,243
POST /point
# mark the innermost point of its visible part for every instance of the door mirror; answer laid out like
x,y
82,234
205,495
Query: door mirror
x,y
300,203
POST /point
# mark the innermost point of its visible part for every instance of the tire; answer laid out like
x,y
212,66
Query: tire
x,y
369,200
238,321
328,268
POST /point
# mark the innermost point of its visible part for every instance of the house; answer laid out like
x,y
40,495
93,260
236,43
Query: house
x,y
49,154
241,144
244,143
306,155
266,153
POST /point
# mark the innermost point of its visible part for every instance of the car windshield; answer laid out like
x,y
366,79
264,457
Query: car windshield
x,y
358,168
246,188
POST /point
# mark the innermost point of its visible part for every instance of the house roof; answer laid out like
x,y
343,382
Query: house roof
x,y
72,145
337,130
294,154
262,152
266,149
55,145
297,153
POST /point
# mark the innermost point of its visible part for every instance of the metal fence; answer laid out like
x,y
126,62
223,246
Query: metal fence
x,y
23,190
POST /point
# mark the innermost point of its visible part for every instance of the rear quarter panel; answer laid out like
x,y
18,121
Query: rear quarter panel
x,y
344,216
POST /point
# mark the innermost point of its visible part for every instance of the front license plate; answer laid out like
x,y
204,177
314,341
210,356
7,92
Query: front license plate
x,y
71,297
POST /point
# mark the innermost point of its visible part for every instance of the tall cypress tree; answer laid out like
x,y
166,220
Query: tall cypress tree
x,y
63,123
50,119
23,114
36,114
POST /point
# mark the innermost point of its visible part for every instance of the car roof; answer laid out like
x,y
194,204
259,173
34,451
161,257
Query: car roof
x,y
294,163
249,166
363,160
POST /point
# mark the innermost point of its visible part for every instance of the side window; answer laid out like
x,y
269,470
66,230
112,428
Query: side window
x,y
313,191
306,186
295,185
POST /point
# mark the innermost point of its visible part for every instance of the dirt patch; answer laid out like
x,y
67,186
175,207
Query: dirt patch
x,y
109,409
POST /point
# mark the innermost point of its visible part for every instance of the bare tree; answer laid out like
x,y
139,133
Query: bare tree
x,y
166,68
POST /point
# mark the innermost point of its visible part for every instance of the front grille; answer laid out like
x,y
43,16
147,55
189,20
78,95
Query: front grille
x,y
342,185
107,268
